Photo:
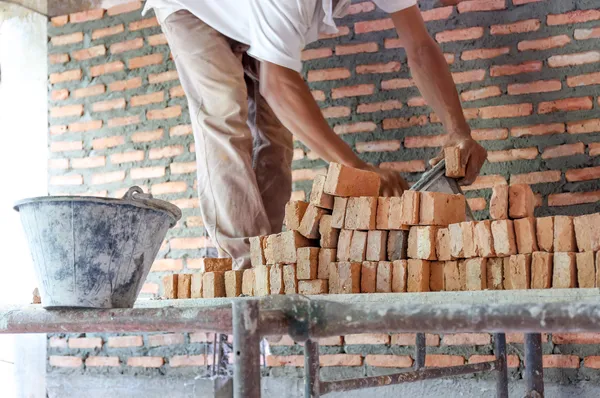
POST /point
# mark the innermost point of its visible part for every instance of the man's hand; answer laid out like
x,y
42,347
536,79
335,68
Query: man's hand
x,y
472,156
392,184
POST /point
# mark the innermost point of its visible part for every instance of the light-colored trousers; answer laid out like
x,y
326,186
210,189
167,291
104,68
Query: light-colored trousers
x,y
243,152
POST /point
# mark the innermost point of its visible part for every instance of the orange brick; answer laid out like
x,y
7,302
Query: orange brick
x,y
187,360
576,338
63,40
564,273
88,162
459,34
428,141
585,174
125,341
592,361
544,44
409,339
521,201
348,49
103,69
59,95
394,84
85,342
108,142
146,99
317,75
64,361
126,157
89,91
145,362
481,93
384,277
388,361
373,25
88,53
586,269
504,238
128,45
572,17
145,60
143,173
349,277
61,20
58,59
66,111
388,146
583,80
468,76
316,53
567,104
157,40
560,361
110,31
437,13
481,5
543,86
123,85
583,126
418,275
352,91
124,8
528,25
166,113
515,69
107,178
400,123
585,34
512,360
525,235
539,129
93,361
143,24
442,360
563,150
388,67
466,339
108,105
558,61
504,111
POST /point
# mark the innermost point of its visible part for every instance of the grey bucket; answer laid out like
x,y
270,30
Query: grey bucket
x,y
94,252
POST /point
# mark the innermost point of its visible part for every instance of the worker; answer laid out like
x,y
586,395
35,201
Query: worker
x,y
239,64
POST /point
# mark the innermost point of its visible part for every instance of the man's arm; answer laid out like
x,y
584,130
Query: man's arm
x,y
432,76
292,102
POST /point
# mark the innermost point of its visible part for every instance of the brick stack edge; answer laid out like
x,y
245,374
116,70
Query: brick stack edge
x,y
526,71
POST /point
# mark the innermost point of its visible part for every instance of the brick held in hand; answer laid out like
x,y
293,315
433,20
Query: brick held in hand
x,y
281,248
421,242
564,270
361,213
586,269
404,210
525,235
316,286
184,286
564,234
454,166
399,275
442,245
483,239
436,276
476,273
329,235
262,281
418,275
348,181
587,232
368,277
358,246
397,245
248,282
521,201
294,211
309,226
383,213
504,238
494,273
308,262
215,264
499,203
541,270
170,286
349,277
451,276
317,196
544,230
519,269
376,245
213,284
344,242
257,253
438,208
338,214
326,257
290,280
233,283
276,279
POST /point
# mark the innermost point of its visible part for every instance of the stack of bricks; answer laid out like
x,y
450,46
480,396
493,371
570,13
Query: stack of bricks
x,y
349,240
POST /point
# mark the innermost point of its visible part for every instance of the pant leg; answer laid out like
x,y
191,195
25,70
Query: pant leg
x,y
273,149
213,80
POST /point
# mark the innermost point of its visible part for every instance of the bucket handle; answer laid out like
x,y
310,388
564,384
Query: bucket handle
x,y
138,192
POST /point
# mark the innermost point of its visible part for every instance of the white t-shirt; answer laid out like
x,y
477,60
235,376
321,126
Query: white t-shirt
x,y
276,30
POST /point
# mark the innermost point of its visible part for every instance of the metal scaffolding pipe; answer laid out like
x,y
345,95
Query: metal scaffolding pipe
x,y
420,352
534,370
502,371
406,377
335,319
311,369
246,349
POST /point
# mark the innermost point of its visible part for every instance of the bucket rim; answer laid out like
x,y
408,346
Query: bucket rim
x,y
170,209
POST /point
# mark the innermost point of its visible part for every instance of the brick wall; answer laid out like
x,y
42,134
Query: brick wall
x,y
526,70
